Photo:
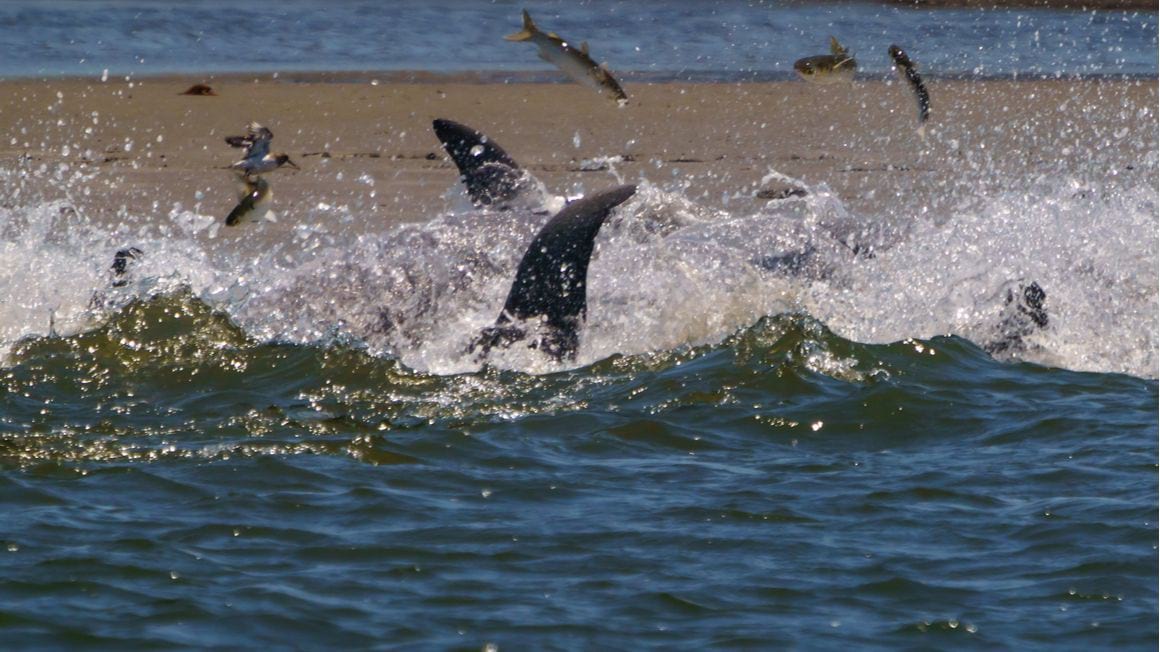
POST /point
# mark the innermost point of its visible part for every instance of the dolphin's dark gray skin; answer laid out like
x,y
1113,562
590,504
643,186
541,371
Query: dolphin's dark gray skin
x,y
122,261
1023,314
120,275
552,280
490,175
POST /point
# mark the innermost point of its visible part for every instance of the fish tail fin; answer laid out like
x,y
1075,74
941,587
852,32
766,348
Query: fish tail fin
x,y
527,32
836,48
921,131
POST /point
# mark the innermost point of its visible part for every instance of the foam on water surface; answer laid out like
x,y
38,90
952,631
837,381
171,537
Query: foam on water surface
x,y
667,273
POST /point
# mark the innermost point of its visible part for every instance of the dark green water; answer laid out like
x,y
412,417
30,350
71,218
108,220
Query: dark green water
x,y
283,445
169,482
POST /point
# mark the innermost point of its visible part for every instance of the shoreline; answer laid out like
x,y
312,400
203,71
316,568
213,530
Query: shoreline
x,y
549,76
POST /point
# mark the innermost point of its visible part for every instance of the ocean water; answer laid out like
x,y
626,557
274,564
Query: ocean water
x,y
292,448
677,38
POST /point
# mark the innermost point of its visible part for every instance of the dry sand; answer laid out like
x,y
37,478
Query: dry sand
x,y
144,147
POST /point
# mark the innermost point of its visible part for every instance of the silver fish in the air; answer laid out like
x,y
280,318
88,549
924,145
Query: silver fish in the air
x,y
573,61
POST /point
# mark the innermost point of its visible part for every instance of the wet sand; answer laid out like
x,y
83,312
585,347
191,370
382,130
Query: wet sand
x,y
137,148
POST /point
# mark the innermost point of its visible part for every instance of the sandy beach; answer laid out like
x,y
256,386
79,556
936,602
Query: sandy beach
x,y
141,147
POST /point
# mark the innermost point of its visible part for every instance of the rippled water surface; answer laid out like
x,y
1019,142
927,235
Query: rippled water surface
x,y
202,488
674,38
240,454
290,447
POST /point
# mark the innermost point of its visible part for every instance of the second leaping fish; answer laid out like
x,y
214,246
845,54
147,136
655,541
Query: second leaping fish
x,y
908,71
836,67
253,201
572,60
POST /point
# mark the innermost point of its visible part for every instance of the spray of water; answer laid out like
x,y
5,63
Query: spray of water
x,y
667,273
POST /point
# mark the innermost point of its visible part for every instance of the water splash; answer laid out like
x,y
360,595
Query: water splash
x,y
666,273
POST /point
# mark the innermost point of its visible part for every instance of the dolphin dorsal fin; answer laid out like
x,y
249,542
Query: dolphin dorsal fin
x,y
489,174
550,284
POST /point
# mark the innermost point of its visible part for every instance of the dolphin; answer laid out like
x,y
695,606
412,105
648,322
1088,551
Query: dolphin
x,y
120,275
1024,313
491,176
122,262
551,281
550,286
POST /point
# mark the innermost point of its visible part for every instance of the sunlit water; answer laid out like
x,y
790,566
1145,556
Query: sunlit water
x,y
682,38
236,450
291,447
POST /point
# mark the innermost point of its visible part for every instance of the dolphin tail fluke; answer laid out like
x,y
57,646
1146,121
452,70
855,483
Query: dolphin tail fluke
x,y
527,32
490,175
551,283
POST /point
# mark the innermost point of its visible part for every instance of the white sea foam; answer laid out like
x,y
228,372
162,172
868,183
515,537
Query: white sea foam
x,y
666,273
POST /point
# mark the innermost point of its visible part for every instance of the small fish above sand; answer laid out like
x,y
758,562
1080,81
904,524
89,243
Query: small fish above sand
x,y
835,68
572,60
257,159
909,72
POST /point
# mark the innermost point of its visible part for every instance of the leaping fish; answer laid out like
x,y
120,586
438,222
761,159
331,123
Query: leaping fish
x,y
255,194
909,71
572,60
257,159
837,67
